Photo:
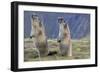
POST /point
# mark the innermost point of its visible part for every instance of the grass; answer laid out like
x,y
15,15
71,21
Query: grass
x,y
80,48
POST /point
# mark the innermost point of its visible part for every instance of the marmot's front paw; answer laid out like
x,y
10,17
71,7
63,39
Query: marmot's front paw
x,y
30,37
59,41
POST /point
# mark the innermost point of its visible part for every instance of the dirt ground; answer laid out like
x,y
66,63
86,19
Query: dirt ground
x,y
80,48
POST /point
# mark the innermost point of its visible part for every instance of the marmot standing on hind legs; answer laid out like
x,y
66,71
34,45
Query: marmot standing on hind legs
x,y
39,35
64,39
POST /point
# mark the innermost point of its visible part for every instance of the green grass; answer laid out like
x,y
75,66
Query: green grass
x,y
80,48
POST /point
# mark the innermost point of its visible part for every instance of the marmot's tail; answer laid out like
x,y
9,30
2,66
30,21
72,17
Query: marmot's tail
x,y
52,53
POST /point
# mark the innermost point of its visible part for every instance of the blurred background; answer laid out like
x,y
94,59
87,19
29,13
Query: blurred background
x,y
79,23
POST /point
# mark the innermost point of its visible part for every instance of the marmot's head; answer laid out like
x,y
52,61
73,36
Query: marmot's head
x,y
35,17
61,20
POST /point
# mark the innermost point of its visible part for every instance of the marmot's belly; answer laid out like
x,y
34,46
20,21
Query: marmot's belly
x,y
41,39
64,48
42,47
65,42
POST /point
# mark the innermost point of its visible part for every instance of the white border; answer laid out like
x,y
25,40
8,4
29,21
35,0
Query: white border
x,y
22,64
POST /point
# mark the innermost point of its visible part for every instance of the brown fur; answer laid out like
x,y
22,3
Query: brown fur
x,y
40,37
65,44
